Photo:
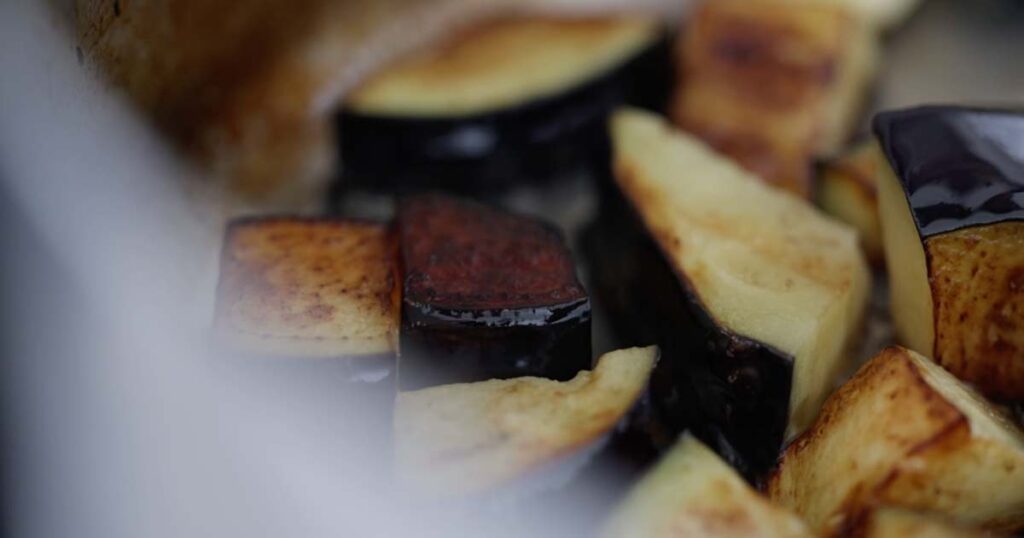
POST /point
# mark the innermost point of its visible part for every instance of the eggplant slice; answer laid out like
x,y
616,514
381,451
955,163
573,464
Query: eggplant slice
x,y
774,84
469,439
691,492
904,432
486,294
516,100
753,295
847,190
315,289
953,223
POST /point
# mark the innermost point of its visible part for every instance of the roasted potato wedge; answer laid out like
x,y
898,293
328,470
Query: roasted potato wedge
x,y
691,492
473,438
773,84
951,211
904,432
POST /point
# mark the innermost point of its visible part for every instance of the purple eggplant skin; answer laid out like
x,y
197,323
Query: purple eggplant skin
x,y
488,153
960,167
440,347
730,391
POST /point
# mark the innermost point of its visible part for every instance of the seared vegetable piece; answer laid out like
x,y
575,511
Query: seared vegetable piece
x,y
773,84
310,288
471,438
518,99
487,294
904,432
953,223
899,523
885,14
847,191
753,295
693,493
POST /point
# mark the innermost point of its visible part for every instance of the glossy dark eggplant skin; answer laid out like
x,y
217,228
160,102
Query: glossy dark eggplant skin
x,y
731,392
490,152
461,346
960,167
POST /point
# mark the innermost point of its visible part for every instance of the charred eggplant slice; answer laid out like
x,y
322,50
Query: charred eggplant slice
x,y
752,294
514,100
904,432
847,191
692,492
295,288
468,439
773,84
486,294
952,209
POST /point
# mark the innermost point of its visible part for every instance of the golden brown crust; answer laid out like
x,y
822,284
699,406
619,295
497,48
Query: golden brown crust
x,y
308,287
903,432
758,81
977,282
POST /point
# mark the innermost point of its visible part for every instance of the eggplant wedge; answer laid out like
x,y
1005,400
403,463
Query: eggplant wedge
x,y
952,211
899,523
884,14
774,84
486,294
752,294
468,439
506,102
847,190
904,432
296,288
691,492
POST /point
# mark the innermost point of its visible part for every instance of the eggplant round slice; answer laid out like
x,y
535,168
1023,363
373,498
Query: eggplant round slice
x,y
952,213
511,101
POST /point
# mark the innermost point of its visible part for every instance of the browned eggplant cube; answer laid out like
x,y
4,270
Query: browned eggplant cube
x,y
952,210
904,432
513,435
691,492
486,294
754,296
773,84
311,292
847,190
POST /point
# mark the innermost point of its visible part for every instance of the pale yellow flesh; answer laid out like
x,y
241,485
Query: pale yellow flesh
x,y
904,432
470,438
765,264
847,191
896,523
881,13
503,64
910,296
691,492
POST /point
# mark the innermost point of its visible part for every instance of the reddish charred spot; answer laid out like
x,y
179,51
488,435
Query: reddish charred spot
x,y
320,311
461,254
1015,280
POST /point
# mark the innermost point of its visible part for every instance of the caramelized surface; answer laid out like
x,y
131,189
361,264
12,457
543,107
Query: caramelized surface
x,y
771,84
847,190
308,287
977,281
459,254
904,432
